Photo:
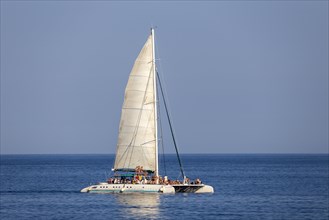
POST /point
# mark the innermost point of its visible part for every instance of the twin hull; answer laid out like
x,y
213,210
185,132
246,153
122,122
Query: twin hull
x,y
147,188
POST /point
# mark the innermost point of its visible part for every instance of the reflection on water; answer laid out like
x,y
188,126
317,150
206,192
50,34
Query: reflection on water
x,y
138,205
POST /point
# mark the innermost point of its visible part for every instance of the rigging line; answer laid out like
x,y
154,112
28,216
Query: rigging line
x,y
171,128
165,94
161,77
148,122
138,121
161,135
162,142
139,117
136,127
144,155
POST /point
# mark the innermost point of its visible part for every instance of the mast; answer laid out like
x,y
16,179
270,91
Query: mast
x,y
155,109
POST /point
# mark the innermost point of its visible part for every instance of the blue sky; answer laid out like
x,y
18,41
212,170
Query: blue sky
x,y
241,76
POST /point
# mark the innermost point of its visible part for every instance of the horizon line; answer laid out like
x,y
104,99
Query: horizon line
x,y
293,153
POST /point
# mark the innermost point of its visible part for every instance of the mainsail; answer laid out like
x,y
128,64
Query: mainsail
x,y
137,144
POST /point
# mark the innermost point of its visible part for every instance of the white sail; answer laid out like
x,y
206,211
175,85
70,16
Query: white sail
x,y
137,133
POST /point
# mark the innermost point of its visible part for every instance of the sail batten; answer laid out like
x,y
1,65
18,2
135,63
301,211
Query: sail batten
x,y
137,133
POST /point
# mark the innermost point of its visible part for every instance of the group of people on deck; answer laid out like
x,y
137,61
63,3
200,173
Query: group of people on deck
x,y
142,177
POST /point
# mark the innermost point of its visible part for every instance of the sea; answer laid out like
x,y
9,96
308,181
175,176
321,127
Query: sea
x,y
247,186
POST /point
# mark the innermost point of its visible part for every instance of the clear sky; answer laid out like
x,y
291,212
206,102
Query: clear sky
x,y
241,76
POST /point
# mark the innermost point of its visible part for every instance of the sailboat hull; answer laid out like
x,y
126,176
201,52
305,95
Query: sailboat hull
x,y
147,188
193,188
128,188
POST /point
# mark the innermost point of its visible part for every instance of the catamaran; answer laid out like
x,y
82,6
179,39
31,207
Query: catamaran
x,y
136,166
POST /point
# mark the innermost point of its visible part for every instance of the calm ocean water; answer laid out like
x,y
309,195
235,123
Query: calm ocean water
x,y
247,187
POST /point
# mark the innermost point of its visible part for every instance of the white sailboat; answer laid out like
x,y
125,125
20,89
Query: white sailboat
x,y
136,167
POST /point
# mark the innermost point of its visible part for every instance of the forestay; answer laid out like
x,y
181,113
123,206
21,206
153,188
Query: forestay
x,y
137,133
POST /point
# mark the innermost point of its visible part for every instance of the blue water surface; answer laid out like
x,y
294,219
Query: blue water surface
x,y
246,187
